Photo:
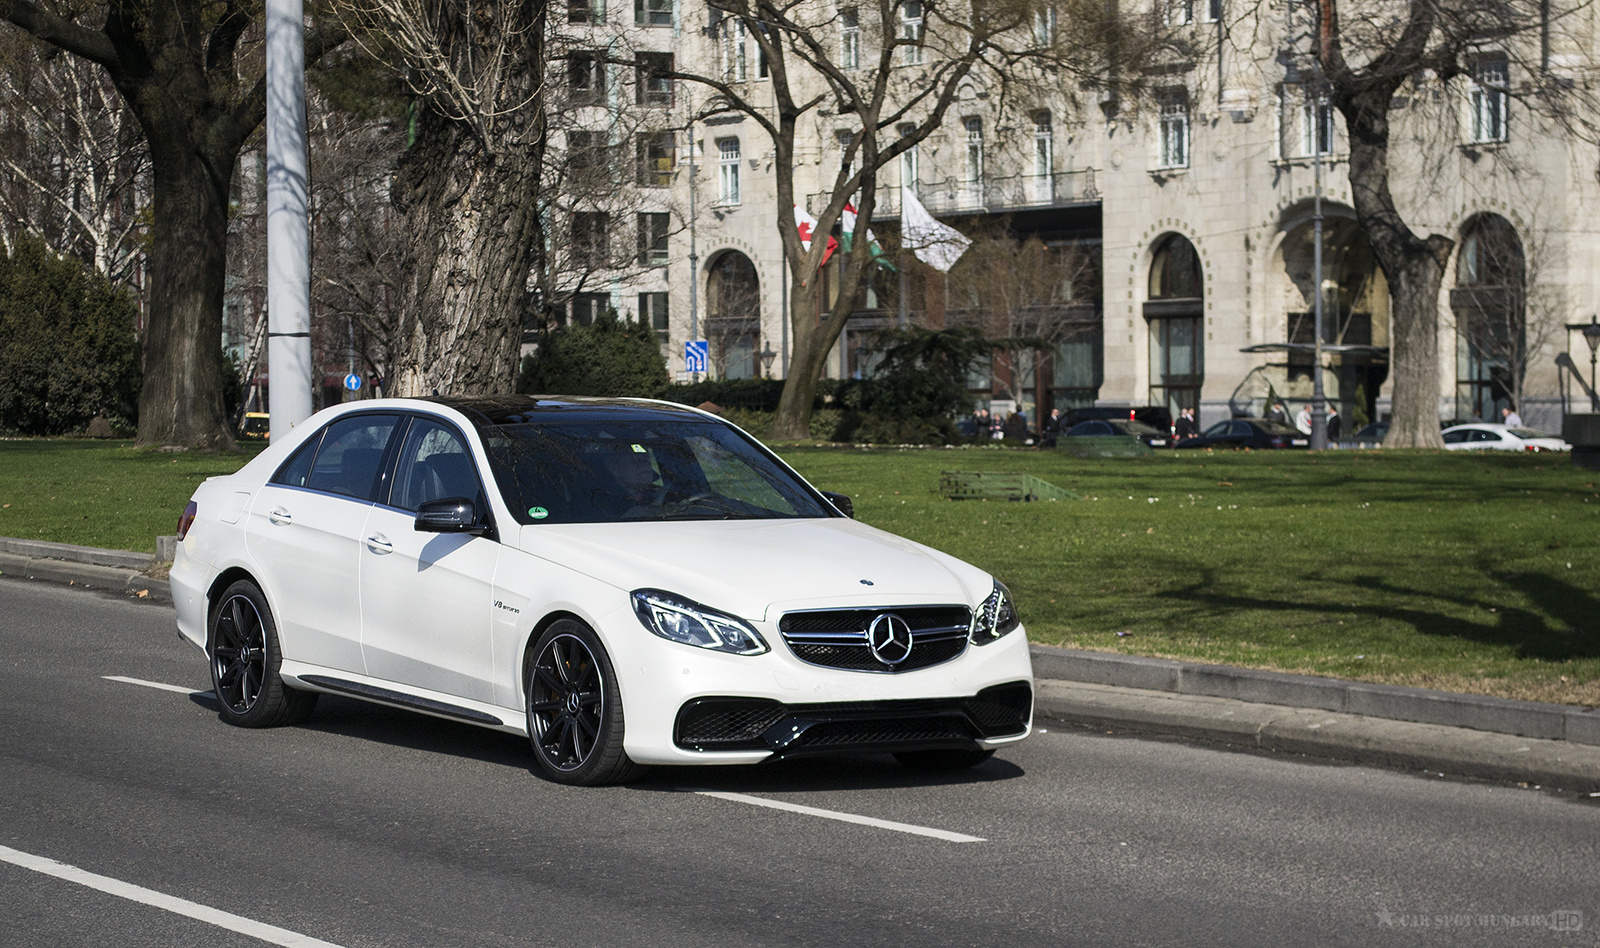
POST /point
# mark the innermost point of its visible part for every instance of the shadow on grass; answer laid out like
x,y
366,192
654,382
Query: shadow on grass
x,y
1525,632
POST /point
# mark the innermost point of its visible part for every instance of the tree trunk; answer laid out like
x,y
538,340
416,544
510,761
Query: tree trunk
x,y
470,226
1414,268
180,402
793,419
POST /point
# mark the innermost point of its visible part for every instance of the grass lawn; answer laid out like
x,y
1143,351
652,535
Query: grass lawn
x,y
1475,573
100,493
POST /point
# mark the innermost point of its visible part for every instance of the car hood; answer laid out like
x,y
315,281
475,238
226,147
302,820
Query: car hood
x,y
748,567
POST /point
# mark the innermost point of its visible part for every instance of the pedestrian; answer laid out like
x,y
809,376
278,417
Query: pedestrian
x,y
1302,421
1335,423
1513,420
1052,428
1186,427
1015,427
1278,413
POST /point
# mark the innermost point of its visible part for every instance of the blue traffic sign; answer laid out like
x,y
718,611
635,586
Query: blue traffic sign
x,y
696,353
352,382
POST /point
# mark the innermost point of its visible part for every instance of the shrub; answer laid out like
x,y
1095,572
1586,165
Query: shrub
x,y
610,357
69,348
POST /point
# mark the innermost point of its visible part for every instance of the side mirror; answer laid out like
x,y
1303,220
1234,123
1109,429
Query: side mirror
x,y
450,515
842,502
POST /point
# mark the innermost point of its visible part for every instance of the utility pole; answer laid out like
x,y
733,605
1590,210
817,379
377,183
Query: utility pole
x,y
1319,401
694,254
288,243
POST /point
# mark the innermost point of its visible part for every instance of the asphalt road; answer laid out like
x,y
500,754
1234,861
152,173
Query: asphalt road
x,y
370,827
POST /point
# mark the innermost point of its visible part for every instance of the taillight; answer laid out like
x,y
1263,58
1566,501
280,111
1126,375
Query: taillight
x,y
187,520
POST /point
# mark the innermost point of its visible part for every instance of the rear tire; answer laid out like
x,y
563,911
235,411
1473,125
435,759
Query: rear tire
x,y
942,760
245,658
574,708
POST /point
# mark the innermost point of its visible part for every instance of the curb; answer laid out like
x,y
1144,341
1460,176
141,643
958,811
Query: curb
x,y
1432,748
43,549
1555,722
87,575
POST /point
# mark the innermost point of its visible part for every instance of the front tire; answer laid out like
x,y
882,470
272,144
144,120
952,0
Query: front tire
x,y
245,658
574,708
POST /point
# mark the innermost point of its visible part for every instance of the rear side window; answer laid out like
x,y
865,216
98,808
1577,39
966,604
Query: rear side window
x,y
345,458
1455,437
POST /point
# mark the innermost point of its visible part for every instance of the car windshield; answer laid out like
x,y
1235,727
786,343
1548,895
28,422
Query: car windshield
x,y
631,469
1137,429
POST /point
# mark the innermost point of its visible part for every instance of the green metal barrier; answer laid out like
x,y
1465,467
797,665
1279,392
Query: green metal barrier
x,y
982,485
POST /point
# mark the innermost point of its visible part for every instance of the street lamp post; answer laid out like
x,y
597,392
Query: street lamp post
x,y
1319,401
1591,335
767,355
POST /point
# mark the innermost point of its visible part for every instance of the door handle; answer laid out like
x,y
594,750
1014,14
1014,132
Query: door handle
x,y
378,543
280,516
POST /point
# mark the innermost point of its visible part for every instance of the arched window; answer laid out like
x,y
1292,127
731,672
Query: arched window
x,y
1489,303
733,318
1175,311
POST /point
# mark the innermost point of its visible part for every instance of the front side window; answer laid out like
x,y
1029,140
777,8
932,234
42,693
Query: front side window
x,y
1174,143
728,171
1490,98
604,471
434,465
911,29
849,38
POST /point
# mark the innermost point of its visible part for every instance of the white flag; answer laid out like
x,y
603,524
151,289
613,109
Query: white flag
x,y
936,244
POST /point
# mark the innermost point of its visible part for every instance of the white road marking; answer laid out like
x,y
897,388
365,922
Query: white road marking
x,y
844,817
133,893
154,684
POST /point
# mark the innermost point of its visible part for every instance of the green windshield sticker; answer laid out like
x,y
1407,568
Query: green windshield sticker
x,y
538,513
639,449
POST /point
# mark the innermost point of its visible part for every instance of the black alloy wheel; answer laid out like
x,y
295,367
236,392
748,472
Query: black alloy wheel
x,y
243,646
575,708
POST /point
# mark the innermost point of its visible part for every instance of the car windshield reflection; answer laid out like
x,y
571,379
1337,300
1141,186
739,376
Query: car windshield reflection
x,y
640,470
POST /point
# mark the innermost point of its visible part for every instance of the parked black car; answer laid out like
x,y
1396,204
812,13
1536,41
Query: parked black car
x,y
1156,416
1107,427
1258,433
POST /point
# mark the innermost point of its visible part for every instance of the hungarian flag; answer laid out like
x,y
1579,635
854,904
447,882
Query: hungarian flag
x,y
807,225
847,230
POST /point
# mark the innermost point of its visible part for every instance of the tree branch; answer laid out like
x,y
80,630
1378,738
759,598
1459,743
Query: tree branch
x,y
59,31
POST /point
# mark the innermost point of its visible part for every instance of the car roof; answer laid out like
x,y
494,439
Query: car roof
x,y
494,410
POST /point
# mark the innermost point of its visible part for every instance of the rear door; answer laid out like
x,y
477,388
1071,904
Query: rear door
x,y
426,597
303,531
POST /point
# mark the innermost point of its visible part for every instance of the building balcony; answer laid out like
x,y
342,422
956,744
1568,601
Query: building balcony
x,y
1023,192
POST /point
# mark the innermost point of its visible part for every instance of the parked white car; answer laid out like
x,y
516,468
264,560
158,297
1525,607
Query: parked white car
x,y
626,582
1492,437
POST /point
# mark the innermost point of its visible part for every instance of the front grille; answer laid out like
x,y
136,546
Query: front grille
x,y
837,638
726,724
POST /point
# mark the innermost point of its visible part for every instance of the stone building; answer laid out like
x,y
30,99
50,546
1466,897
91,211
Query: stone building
x,y
1192,205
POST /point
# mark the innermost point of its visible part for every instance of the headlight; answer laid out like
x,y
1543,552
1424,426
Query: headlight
x,y
683,620
996,617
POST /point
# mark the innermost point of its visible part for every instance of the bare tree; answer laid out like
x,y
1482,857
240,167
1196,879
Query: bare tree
x,y
993,44
74,169
468,185
1366,61
184,68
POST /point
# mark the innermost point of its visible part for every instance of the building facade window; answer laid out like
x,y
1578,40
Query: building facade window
x,y
911,32
1490,307
845,140
1210,10
591,238
1043,158
728,171
1175,309
586,76
656,153
587,151
586,11
1174,139
910,161
654,83
588,307
653,230
652,12
972,176
1316,127
1489,100
1177,12
1044,26
653,312
849,38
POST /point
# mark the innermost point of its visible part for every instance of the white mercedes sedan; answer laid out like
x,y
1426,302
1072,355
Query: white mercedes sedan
x,y
1486,436
626,582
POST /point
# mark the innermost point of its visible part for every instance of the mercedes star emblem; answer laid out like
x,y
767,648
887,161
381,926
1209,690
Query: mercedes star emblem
x,y
889,639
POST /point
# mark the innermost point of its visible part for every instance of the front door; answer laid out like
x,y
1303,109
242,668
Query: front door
x,y
426,597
